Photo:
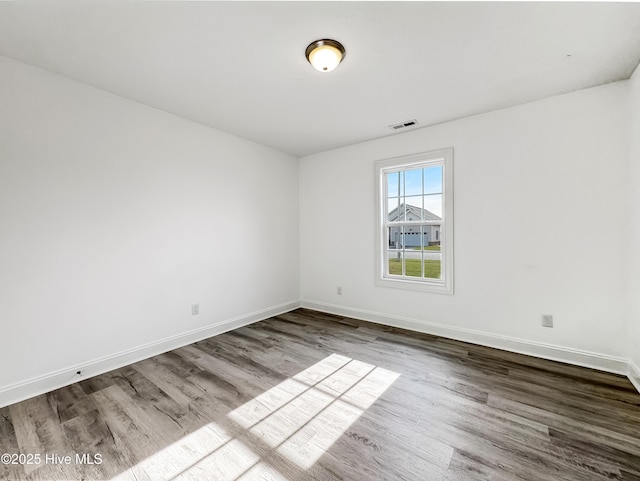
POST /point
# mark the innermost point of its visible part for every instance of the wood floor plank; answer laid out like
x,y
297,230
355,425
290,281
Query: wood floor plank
x,y
89,435
69,402
466,466
42,433
9,445
611,437
176,387
308,396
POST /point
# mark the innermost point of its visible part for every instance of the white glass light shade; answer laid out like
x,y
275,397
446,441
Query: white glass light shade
x,y
325,58
325,55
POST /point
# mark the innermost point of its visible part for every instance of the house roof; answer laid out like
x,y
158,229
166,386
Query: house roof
x,y
411,212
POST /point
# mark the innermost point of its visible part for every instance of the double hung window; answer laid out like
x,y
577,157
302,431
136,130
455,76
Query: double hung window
x,y
415,221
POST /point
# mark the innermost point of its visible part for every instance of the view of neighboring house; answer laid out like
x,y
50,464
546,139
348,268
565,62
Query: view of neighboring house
x,y
411,236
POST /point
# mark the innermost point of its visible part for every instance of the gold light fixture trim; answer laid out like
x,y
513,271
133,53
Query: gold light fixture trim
x,y
325,55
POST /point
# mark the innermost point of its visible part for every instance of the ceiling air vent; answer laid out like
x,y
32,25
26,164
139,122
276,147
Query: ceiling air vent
x,y
404,125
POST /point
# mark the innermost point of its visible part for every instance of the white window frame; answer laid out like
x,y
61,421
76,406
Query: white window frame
x,y
443,157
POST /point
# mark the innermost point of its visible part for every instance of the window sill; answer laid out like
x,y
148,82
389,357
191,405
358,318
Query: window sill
x,y
435,286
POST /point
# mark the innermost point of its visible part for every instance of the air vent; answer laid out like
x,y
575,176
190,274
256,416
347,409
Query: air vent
x,y
404,125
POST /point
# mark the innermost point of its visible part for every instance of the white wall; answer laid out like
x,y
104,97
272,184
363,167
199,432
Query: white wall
x,y
634,225
116,217
535,185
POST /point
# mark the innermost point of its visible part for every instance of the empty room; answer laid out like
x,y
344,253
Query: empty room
x,y
333,241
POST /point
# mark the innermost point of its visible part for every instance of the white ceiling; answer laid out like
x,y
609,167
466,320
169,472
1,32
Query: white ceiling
x,y
240,66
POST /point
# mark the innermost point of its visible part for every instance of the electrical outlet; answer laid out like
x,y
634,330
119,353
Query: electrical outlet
x,y
195,309
339,290
547,320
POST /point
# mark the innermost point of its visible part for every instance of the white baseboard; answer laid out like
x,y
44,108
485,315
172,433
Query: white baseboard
x,y
568,355
48,382
633,374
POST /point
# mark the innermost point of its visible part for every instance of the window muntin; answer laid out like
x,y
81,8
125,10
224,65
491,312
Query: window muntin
x,y
415,221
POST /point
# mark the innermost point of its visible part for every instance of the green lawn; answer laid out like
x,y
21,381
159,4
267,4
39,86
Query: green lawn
x,y
428,248
431,268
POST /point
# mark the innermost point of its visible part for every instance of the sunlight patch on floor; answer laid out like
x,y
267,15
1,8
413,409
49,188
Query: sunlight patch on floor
x,y
208,453
304,415
300,418
171,461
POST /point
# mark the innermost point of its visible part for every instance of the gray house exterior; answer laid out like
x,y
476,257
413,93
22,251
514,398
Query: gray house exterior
x,y
412,236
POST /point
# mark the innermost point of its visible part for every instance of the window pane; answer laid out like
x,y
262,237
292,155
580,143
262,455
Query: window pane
x,y
412,267
394,261
433,180
411,237
413,208
413,182
392,184
394,237
392,209
413,253
402,238
432,267
431,238
431,255
433,206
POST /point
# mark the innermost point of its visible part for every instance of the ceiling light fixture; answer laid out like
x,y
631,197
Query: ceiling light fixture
x,y
325,55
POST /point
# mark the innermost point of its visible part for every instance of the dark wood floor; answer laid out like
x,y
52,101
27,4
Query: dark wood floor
x,y
310,396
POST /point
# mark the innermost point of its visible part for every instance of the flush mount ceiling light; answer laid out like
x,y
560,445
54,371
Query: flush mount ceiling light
x,y
325,55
